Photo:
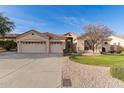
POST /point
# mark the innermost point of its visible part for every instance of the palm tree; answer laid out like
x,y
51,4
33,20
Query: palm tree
x,y
6,25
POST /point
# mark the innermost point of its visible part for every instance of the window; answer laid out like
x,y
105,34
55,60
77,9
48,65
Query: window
x,y
118,43
69,40
42,42
106,43
55,42
114,43
59,42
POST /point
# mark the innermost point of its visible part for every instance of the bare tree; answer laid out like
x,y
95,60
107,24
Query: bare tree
x,y
96,35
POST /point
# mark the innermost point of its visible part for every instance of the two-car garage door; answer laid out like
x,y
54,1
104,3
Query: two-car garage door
x,y
33,47
41,47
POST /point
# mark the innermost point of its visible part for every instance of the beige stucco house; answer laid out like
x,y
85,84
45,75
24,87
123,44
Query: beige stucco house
x,y
36,42
9,37
113,42
110,44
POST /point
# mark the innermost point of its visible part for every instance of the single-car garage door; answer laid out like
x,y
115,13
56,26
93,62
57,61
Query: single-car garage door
x,y
56,47
33,47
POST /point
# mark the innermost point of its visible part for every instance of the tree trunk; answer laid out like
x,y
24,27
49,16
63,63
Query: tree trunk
x,y
3,36
93,49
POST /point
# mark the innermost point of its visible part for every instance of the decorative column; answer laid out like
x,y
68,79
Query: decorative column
x,y
47,46
18,46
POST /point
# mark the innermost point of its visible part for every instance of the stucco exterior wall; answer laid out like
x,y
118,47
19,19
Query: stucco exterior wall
x,y
29,37
26,43
80,45
107,47
116,41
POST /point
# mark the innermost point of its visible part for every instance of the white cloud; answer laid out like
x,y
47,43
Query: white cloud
x,y
75,21
23,25
16,31
26,23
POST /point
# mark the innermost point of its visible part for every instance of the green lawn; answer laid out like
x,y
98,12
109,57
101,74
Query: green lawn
x,y
116,62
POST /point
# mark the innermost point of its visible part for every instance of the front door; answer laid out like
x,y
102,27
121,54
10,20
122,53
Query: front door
x,y
103,49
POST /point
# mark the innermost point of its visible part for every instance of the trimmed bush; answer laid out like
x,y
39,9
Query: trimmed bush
x,y
8,45
65,52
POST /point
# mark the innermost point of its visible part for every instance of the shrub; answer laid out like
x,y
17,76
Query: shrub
x,y
1,43
8,45
119,49
117,71
65,52
122,49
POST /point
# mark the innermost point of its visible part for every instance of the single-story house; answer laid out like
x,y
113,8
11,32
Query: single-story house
x,y
110,44
113,43
9,37
36,42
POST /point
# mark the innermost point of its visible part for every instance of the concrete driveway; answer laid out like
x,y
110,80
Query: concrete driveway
x,y
30,70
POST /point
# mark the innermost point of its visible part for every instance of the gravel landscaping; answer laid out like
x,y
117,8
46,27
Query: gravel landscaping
x,y
88,76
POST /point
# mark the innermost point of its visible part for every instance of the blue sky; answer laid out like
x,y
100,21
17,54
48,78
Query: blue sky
x,y
62,19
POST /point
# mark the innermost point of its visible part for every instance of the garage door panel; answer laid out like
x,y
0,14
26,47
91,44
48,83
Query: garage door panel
x,y
33,47
56,48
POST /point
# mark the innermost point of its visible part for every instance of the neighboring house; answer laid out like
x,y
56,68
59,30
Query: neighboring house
x,y
9,37
116,40
110,44
113,43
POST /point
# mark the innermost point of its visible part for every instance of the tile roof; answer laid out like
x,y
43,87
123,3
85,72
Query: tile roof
x,y
45,34
51,35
